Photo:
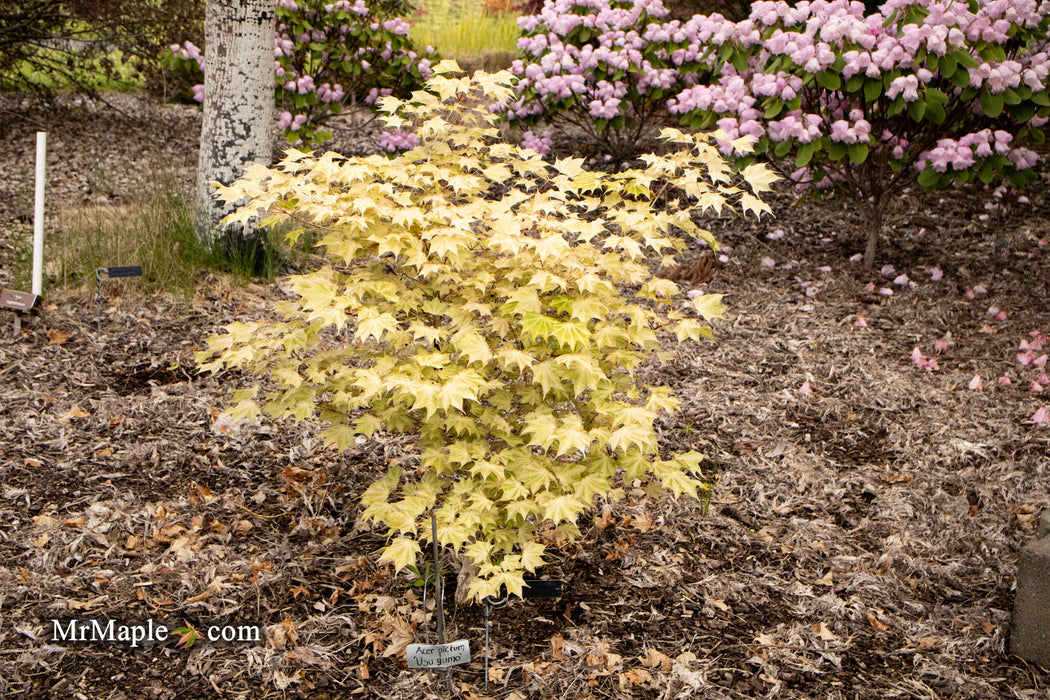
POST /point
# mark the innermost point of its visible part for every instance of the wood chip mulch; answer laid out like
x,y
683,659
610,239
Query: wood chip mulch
x,y
861,542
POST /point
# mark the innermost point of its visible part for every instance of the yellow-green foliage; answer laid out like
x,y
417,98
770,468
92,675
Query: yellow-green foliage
x,y
495,303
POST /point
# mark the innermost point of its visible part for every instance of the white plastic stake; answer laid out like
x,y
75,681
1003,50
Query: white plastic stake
x,y
38,214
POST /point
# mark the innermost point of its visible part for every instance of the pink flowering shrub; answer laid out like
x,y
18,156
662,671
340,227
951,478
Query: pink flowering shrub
x,y
602,66
938,92
397,140
330,54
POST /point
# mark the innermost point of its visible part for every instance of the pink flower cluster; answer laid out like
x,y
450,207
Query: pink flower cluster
x,y
327,93
397,26
287,121
190,52
844,131
375,93
358,7
617,60
541,144
398,140
963,153
796,125
803,44
593,58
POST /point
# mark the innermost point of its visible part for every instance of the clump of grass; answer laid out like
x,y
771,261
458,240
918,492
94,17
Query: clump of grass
x,y
22,261
157,231
464,30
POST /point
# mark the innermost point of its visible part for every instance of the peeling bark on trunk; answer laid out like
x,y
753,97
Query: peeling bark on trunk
x,y
238,100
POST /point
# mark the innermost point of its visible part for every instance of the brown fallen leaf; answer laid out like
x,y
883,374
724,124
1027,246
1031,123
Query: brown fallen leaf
x,y
557,646
56,336
169,533
258,567
765,534
86,604
643,522
823,632
988,627
296,474
75,412
697,271
878,624
928,642
399,632
74,522
635,677
299,590
718,603
536,667
278,637
654,658
181,547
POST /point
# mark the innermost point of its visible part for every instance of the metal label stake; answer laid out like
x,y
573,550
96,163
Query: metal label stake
x,y
491,603
441,656
439,584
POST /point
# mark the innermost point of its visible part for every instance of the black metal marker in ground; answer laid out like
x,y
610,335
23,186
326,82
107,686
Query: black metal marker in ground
x,y
533,589
108,273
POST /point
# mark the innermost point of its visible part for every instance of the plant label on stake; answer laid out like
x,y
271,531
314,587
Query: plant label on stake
x,y
438,655
19,301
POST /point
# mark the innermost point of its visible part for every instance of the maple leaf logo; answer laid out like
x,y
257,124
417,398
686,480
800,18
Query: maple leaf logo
x,y
188,635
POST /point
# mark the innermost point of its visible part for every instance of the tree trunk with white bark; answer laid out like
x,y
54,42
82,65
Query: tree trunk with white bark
x,y
238,100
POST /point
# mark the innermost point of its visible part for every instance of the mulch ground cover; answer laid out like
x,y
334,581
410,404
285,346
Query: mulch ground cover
x,y
861,541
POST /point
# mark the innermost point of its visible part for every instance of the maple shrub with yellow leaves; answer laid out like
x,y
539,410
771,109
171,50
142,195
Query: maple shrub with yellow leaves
x,y
497,305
